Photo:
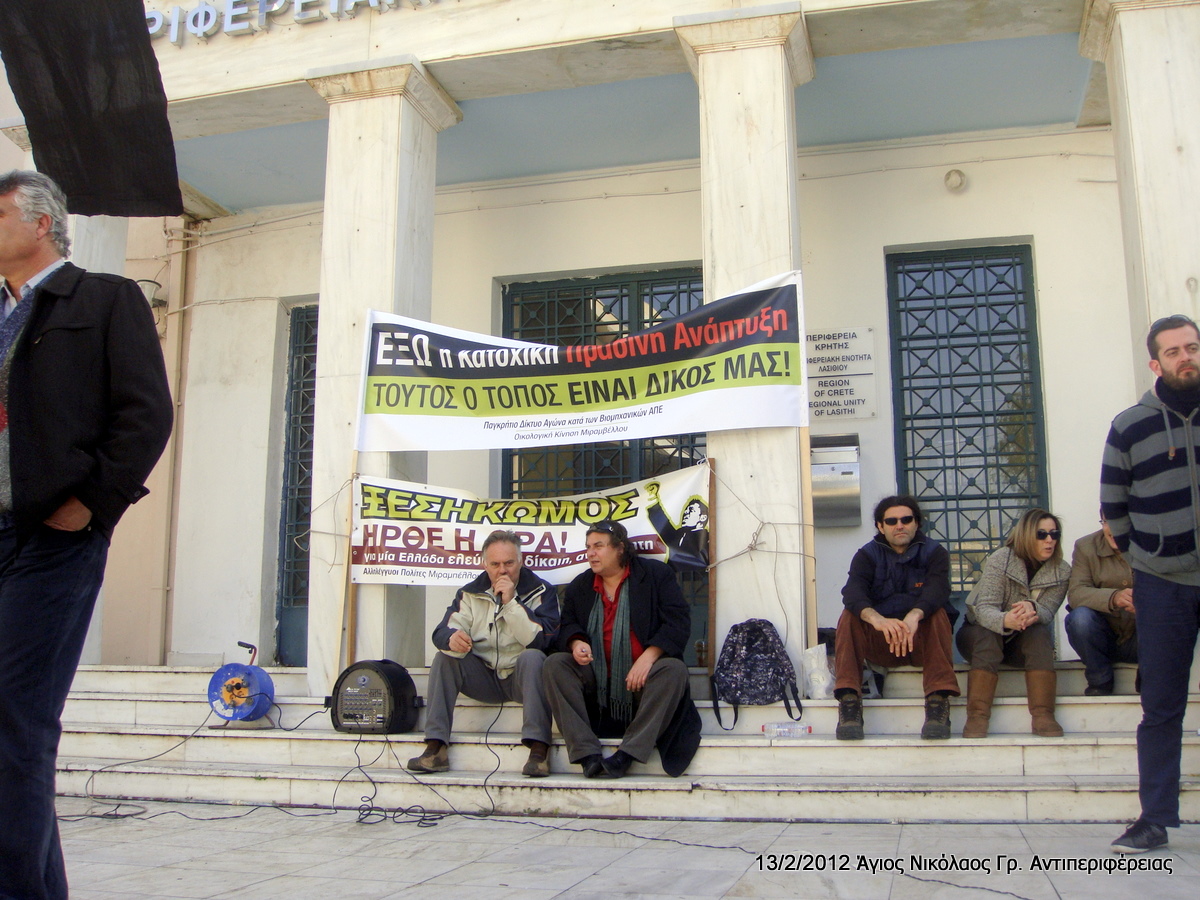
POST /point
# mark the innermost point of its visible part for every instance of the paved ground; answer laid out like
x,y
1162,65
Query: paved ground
x,y
175,850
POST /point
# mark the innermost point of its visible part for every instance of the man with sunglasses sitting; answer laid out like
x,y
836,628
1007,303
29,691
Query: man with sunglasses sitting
x,y
896,597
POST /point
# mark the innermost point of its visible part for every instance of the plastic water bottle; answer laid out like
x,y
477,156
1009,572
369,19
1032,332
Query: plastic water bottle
x,y
786,730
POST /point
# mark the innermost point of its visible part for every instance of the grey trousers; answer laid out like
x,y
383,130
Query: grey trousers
x,y
450,676
1031,649
569,685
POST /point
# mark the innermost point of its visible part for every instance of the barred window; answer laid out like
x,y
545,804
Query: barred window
x,y
587,310
292,596
970,442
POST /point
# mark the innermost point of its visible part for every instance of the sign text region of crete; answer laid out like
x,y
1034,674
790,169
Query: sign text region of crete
x,y
735,363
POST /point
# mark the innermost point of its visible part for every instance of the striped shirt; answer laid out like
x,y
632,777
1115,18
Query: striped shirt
x,y
1150,489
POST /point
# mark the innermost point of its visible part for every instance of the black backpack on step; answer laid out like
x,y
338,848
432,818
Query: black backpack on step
x,y
754,669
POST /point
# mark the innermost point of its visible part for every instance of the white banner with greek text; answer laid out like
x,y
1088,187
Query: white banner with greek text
x,y
407,533
735,363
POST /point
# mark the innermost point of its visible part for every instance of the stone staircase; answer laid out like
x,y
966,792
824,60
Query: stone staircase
x,y
141,733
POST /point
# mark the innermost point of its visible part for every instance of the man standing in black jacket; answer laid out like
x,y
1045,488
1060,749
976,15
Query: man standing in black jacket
x,y
85,412
625,624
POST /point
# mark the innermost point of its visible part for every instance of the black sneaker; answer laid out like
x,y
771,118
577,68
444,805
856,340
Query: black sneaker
x,y
850,717
937,718
1140,837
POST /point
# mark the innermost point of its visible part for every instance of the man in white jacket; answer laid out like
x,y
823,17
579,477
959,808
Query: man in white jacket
x,y
492,644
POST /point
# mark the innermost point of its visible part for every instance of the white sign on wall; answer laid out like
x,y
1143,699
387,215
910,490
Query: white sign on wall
x,y
841,374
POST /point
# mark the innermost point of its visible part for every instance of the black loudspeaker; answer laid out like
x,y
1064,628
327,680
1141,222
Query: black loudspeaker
x,y
375,696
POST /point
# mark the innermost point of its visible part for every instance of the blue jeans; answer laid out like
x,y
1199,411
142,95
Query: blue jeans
x,y
1096,643
48,586
1168,618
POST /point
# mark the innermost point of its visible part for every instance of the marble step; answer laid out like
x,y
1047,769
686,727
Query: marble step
x,y
1018,754
141,733
193,681
189,680
906,681
878,797
1119,712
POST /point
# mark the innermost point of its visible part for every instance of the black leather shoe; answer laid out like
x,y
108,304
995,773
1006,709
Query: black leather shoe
x,y
618,764
1098,690
593,766
1140,837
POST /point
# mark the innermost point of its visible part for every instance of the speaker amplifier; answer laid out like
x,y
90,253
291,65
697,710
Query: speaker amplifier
x,y
375,697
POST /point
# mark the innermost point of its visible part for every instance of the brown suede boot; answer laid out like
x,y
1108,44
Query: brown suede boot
x,y
538,765
435,758
1041,688
981,690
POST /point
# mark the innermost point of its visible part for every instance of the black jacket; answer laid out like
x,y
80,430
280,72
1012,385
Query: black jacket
x,y
659,616
894,583
89,408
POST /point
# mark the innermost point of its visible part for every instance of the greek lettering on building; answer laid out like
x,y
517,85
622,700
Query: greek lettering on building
x,y
841,374
180,22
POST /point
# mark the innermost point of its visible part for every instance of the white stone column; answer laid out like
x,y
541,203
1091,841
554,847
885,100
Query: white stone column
x,y
1151,51
376,252
747,63
98,244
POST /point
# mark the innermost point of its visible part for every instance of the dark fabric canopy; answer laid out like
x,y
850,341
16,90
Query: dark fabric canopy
x,y
87,81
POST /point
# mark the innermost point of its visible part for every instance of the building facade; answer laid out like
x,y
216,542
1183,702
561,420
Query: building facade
x,y
991,199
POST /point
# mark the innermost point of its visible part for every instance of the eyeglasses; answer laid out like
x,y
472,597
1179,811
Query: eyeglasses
x,y
899,520
1164,324
1167,322
1052,535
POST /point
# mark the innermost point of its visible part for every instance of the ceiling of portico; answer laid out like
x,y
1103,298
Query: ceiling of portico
x,y
909,92
554,86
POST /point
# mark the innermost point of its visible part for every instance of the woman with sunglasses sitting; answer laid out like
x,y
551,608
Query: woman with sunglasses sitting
x,y
1009,616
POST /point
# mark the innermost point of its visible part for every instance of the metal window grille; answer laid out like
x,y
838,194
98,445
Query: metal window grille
x,y
584,310
292,603
970,442
580,310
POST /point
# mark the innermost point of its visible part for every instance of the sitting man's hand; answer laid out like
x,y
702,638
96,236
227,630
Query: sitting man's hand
x,y
504,588
581,651
635,680
1123,599
896,632
460,642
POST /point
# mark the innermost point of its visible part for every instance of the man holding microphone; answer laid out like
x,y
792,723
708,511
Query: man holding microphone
x,y
492,642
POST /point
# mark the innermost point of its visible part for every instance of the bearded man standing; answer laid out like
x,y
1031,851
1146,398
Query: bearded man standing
x,y
1148,493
